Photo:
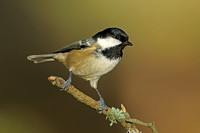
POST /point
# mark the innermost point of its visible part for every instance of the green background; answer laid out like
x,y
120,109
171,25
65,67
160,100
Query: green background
x,y
157,80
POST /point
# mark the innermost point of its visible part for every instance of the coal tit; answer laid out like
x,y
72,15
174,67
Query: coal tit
x,y
90,58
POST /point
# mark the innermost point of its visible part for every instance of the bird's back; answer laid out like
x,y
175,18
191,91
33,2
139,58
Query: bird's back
x,y
88,63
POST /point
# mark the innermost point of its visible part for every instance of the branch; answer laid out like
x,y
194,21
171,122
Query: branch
x,y
112,114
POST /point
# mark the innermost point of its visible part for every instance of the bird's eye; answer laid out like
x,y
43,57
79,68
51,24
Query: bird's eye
x,y
118,37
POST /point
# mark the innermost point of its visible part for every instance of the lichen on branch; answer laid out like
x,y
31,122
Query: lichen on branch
x,y
114,115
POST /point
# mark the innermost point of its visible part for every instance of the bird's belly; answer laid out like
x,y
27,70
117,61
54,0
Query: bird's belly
x,y
94,68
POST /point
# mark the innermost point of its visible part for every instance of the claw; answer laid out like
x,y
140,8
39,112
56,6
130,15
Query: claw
x,y
102,105
67,83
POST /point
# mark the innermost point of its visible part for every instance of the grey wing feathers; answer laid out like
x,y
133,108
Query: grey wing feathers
x,y
52,57
76,45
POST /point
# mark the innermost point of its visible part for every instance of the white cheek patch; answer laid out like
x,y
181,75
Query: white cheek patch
x,y
108,42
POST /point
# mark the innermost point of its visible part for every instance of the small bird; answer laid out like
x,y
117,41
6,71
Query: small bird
x,y
90,58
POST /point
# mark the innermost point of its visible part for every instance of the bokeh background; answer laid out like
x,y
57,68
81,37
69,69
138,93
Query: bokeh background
x,y
157,80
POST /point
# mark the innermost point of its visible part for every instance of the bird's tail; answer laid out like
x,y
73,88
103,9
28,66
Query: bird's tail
x,y
41,58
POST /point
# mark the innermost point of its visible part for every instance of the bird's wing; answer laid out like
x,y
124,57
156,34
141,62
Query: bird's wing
x,y
77,45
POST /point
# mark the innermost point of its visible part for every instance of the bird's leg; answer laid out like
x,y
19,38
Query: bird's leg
x,y
68,82
102,103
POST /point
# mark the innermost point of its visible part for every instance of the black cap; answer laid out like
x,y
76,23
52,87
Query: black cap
x,y
115,33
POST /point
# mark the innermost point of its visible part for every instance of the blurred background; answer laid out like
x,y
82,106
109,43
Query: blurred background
x,y
157,80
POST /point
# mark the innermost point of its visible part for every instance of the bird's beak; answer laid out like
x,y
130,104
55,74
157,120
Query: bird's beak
x,y
128,43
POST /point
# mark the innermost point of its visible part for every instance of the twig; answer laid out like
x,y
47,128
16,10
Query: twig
x,y
150,125
114,115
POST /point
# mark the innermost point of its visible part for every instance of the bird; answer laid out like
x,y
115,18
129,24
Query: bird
x,y
90,58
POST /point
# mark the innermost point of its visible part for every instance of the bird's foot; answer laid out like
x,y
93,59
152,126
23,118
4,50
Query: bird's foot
x,y
67,85
102,106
